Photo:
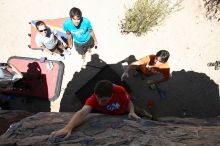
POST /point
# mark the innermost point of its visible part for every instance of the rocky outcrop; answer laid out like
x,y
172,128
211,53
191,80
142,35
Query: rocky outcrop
x,y
8,117
114,130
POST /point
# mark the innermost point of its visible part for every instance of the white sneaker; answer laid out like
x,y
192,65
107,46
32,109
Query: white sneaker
x,y
62,57
67,51
84,58
89,51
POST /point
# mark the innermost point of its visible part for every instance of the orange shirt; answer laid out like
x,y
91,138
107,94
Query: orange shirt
x,y
149,68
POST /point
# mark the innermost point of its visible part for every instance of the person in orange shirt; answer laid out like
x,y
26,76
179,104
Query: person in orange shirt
x,y
151,65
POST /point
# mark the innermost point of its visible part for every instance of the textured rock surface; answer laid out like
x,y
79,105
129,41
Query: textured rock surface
x,y
114,130
7,117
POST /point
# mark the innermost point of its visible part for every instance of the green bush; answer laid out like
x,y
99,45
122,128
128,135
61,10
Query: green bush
x,y
146,14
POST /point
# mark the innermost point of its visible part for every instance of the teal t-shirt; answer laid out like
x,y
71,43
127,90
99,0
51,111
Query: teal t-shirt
x,y
81,34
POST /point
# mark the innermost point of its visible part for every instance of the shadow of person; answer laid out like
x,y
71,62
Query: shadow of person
x,y
33,73
128,60
188,94
34,68
34,77
34,91
96,62
83,83
79,79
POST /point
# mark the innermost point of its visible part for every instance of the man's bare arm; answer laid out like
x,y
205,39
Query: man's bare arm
x,y
61,40
129,67
132,113
69,39
93,36
75,121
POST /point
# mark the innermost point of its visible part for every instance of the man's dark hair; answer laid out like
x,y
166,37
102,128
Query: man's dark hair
x,y
103,88
164,55
38,23
75,12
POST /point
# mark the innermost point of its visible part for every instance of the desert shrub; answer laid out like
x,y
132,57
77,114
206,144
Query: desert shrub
x,y
145,14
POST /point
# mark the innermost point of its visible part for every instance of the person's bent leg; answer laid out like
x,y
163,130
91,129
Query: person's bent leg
x,y
58,51
60,54
89,45
63,49
81,49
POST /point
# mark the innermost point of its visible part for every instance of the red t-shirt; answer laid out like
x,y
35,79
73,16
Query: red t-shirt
x,y
118,104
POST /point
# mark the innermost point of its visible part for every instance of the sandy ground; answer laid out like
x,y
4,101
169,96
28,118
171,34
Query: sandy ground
x,y
191,39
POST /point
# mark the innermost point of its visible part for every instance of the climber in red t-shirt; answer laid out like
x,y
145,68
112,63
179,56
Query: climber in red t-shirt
x,y
107,98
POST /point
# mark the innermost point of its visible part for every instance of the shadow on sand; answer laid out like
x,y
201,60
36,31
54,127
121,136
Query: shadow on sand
x,y
188,94
24,96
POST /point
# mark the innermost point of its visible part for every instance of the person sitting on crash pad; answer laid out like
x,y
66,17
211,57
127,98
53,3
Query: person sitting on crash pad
x,y
50,41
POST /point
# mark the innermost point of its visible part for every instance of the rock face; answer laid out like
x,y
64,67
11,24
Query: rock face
x,y
114,130
7,117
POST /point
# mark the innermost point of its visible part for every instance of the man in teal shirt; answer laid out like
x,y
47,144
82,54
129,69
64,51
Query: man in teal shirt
x,y
80,32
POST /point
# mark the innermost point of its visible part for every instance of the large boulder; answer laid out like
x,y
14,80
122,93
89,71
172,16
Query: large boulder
x,y
8,117
102,129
